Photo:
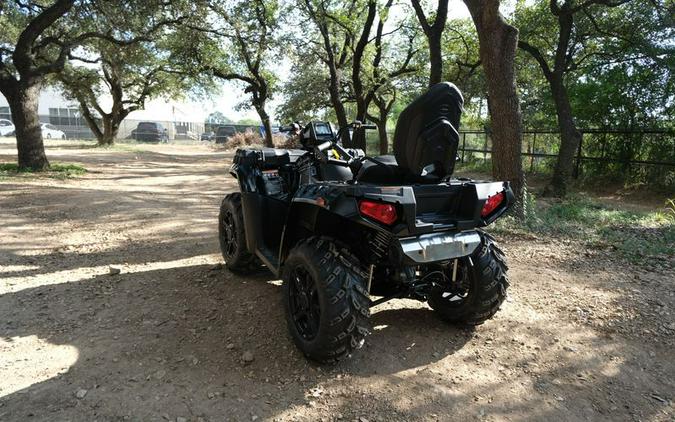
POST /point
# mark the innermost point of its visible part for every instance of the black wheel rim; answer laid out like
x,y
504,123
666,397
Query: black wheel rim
x,y
304,303
456,293
229,234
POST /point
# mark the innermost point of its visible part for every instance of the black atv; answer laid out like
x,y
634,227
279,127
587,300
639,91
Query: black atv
x,y
340,227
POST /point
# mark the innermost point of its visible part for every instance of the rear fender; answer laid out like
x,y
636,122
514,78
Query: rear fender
x,y
300,224
245,169
338,219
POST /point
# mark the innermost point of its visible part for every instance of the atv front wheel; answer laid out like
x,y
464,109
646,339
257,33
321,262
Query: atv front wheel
x,y
325,298
480,286
232,236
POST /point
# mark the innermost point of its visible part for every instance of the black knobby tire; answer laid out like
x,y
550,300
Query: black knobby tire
x,y
487,283
335,294
232,236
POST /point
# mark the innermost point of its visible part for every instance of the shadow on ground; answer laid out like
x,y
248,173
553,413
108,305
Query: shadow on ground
x,y
165,338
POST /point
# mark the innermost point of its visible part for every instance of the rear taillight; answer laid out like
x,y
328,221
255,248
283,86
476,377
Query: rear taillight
x,y
378,211
491,204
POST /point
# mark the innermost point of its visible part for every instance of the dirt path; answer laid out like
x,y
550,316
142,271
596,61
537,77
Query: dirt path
x,y
583,336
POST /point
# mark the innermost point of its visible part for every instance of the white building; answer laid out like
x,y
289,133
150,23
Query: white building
x,y
182,119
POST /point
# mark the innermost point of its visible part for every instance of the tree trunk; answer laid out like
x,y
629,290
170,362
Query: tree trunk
x,y
384,137
498,41
434,34
570,137
23,102
339,108
111,126
435,58
91,122
265,119
106,135
359,136
383,110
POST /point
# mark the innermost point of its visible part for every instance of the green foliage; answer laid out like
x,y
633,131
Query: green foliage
x,y
462,64
56,170
240,40
218,117
617,71
248,122
305,93
395,69
635,235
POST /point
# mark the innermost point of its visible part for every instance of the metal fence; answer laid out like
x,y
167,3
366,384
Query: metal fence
x,y
601,150
129,128
620,148
74,127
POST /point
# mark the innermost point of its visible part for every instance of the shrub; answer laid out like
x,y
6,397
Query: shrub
x,y
287,142
244,139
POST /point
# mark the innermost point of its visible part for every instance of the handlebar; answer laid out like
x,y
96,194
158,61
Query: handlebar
x,y
334,145
291,127
324,146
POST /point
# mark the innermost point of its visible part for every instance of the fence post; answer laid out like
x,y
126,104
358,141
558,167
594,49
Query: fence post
x,y
485,148
581,141
534,145
463,145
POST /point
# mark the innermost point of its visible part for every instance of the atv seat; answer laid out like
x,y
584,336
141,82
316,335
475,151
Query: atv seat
x,y
426,137
383,170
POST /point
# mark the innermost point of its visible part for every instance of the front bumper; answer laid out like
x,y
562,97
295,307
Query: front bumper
x,y
435,247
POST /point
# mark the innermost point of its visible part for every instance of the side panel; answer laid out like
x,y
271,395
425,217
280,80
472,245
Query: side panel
x,y
264,206
264,219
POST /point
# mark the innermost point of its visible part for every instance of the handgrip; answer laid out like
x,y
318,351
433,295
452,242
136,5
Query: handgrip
x,y
342,163
324,146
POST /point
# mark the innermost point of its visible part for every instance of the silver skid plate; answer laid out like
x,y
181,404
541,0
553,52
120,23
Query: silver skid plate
x,y
440,246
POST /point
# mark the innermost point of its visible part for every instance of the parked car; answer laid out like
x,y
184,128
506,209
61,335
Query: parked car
x,y
208,136
6,127
51,132
150,132
224,132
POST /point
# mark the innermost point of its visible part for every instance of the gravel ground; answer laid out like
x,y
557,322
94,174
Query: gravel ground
x,y
174,336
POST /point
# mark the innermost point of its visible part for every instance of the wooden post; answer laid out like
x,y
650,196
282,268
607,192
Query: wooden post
x,y
463,145
534,146
578,166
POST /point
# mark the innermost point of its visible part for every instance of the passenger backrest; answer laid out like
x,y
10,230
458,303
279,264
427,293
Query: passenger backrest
x,y
427,136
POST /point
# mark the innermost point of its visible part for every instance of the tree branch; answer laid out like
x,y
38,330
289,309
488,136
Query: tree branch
x,y
420,16
536,54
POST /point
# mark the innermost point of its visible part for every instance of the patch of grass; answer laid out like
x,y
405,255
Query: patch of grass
x,y
56,170
475,166
636,236
68,169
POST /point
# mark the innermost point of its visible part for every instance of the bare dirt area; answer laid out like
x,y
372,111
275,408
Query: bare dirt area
x,y
584,335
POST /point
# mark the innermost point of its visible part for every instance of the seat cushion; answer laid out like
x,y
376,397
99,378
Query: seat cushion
x,y
427,131
384,171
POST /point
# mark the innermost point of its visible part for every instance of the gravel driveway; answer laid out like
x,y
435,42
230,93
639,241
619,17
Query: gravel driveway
x,y
584,335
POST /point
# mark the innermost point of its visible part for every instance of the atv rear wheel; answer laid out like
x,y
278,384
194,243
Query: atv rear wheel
x,y
325,299
480,288
232,236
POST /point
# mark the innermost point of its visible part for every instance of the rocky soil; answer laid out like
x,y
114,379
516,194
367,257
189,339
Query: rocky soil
x,y
114,307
